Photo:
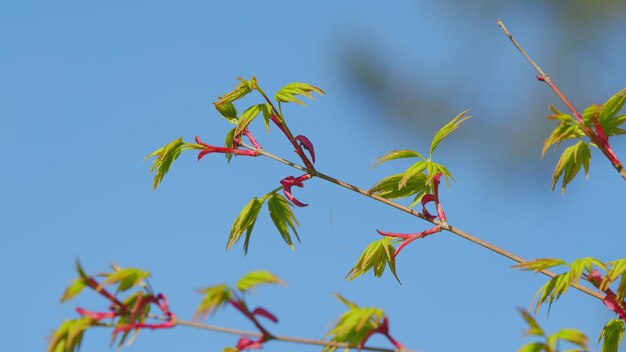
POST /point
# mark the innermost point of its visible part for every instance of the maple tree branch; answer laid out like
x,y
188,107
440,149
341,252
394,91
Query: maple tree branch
x,y
544,77
444,226
299,340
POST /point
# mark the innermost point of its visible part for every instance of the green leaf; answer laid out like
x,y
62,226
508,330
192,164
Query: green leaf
x,y
572,159
533,347
412,171
246,118
244,222
267,116
561,116
535,329
345,301
229,143
582,266
561,133
397,154
127,278
389,187
214,298
228,111
353,325
446,173
591,114
240,91
618,268
69,335
289,92
73,289
612,335
283,217
255,278
572,336
612,106
165,156
540,264
447,129
377,255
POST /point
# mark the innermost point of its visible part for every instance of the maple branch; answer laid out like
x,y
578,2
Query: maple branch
x,y
299,340
443,225
544,77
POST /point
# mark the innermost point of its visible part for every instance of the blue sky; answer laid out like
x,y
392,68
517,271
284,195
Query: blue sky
x,y
88,89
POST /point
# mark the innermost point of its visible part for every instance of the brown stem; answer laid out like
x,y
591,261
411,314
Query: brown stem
x,y
299,340
544,77
444,226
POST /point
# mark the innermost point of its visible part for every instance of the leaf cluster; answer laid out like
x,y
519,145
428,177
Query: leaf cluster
x,y
558,285
217,296
280,212
377,256
606,121
165,156
354,325
417,179
551,343
69,335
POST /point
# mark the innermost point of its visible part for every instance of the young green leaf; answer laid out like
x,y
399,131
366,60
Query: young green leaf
x,y
561,116
165,156
612,335
345,301
535,329
591,114
289,92
229,143
228,111
582,266
214,298
73,289
246,118
255,278
612,106
573,336
572,159
540,264
560,133
69,336
618,268
240,91
397,154
244,222
389,187
127,278
447,129
283,217
353,325
412,171
377,255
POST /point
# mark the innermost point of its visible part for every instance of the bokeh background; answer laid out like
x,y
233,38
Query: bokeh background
x,y
87,89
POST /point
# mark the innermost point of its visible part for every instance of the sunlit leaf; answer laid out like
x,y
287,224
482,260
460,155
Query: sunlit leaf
x,y
288,93
534,328
214,298
612,106
241,90
228,111
377,255
572,159
612,335
255,278
561,133
345,301
353,325
165,156
533,347
572,336
73,289
389,187
397,154
229,143
283,217
447,129
126,278
244,222
411,173
246,118
69,335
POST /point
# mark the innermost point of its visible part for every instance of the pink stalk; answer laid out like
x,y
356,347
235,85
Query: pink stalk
x,y
610,300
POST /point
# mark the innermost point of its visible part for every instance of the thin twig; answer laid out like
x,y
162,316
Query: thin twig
x,y
299,340
544,77
444,226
